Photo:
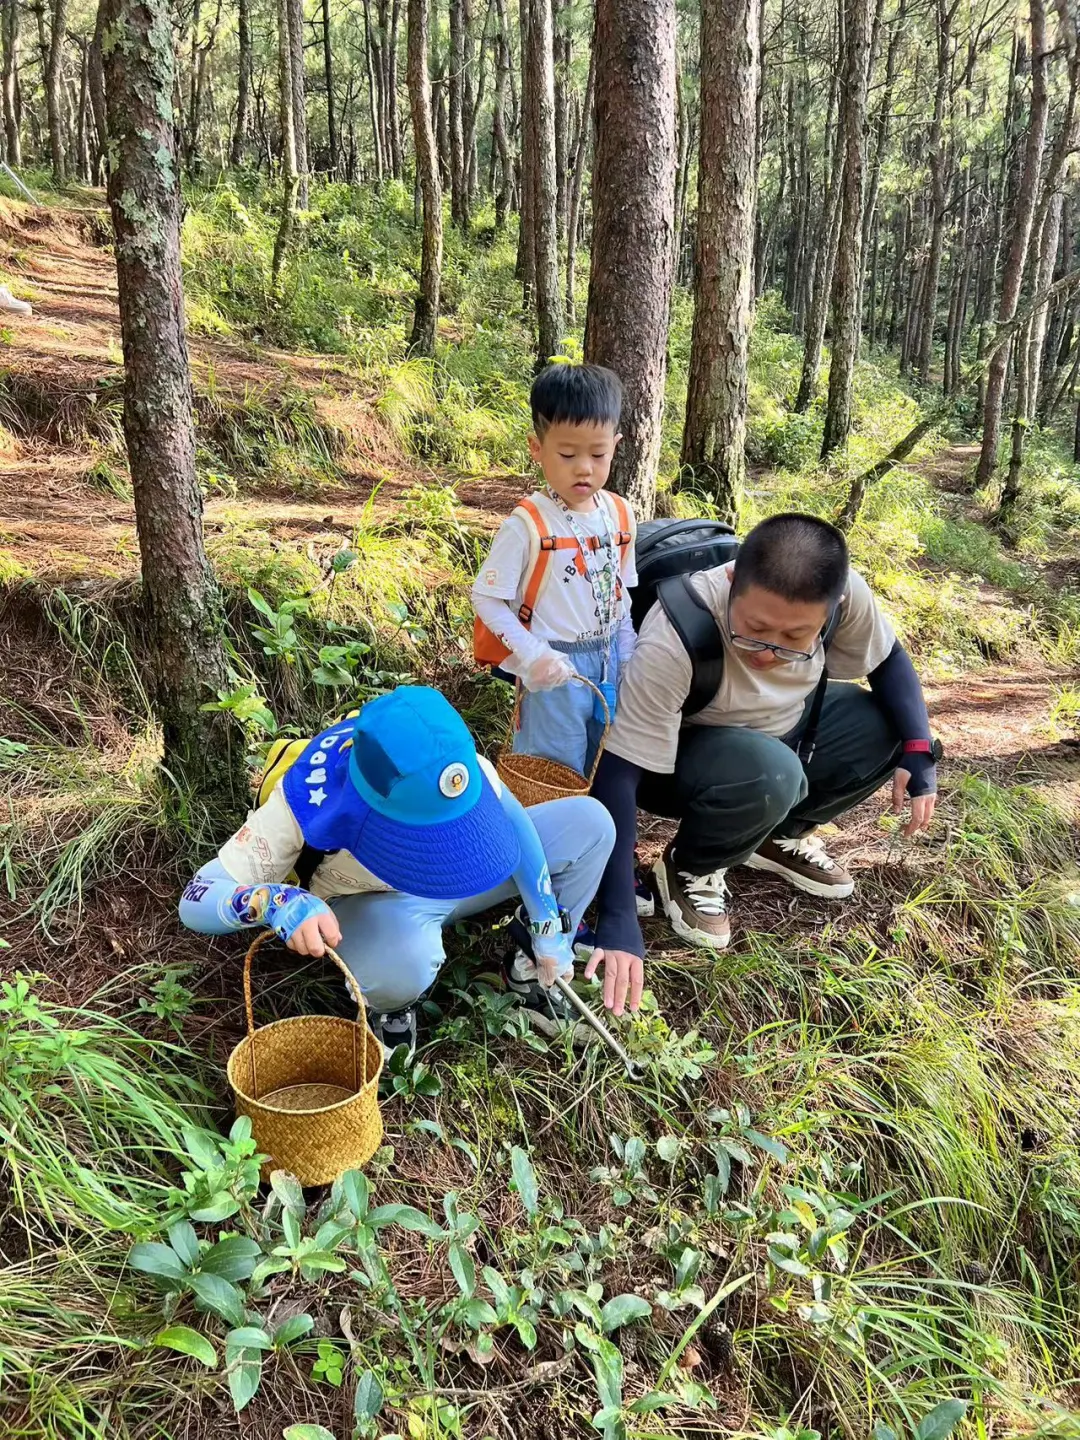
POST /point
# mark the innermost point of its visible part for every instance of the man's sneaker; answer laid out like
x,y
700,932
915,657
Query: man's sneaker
x,y
549,1012
696,905
394,1028
643,895
804,863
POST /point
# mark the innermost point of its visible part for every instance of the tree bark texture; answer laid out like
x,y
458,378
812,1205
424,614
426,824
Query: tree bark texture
x,y
9,20
500,144
332,141
183,609
426,320
577,183
459,202
937,159
633,225
541,139
54,91
1022,218
714,434
299,98
243,82
290,174
846,306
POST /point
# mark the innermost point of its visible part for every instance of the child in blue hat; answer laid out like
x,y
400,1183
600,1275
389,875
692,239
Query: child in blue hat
x,y
406,830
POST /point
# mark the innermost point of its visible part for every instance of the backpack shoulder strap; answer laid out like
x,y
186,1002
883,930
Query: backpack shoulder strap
x,y
697,628
539,557
623,517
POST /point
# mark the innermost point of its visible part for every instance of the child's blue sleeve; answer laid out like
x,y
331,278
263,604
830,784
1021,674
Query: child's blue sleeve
x,y
214,904
533,880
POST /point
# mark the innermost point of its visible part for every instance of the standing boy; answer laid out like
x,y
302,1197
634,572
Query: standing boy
x,y
550,598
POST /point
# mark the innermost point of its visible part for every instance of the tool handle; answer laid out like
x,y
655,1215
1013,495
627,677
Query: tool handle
x,y
591,1018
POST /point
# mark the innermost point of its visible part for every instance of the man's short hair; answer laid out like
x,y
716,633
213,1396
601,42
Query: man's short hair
x,y
575,395
801,558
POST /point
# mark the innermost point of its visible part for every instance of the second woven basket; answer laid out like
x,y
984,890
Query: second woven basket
x,y
534,778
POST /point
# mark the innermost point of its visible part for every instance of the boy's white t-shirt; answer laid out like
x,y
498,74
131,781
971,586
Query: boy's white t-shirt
x,y
566,609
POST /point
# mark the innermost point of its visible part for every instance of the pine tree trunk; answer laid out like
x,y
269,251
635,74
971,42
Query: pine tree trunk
x,y
824,268
9,23
442,129
846,307
243,82
426,321
633,225
500,145
577,183
541,139
184,620
459,205
290,175
374,71
713,458
83,120
54,91
561,58
299,97
333,143
1022,218
97,103
526,256
937,159
393,121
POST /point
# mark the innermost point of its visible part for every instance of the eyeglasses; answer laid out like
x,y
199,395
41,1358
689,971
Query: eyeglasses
x,y
743,642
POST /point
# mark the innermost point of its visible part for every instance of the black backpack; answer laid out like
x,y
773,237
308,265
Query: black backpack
x,y
668,553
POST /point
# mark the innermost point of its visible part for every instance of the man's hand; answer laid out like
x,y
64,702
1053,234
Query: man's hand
x,y
313,936
922,806
623,973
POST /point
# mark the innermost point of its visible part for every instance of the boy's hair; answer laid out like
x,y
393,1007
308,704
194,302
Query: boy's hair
x,y
801,558
575,395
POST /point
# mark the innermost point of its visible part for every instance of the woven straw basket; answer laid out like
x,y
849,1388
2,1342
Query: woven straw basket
x,y
310,1086
534,779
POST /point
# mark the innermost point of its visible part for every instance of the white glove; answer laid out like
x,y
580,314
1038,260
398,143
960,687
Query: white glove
x,y
554,957
547,672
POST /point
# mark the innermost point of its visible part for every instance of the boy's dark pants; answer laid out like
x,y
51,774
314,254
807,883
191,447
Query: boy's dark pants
x,y
734,788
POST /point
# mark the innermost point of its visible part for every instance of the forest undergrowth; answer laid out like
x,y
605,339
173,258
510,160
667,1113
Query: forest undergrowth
x,y
844,1200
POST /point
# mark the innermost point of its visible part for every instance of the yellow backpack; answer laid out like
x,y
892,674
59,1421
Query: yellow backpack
x,y
280,758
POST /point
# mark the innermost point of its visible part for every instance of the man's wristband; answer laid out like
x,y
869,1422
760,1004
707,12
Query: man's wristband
x,y
933,748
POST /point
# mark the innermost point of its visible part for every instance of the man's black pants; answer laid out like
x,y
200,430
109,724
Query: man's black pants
x,y
734,788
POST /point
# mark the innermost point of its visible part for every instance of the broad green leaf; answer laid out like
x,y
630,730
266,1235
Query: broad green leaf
x,y
881,1431
634,1154
498,1287
233,1258
357,1192
408,1217
245,1373
204,1147
272,1265
768,1144
942,1420
287,1188
293,1329
185,1242
307,1432
331,1233
249,1337
784,1260
321,1262
623,1310
608,1368
290,1226
735,1151
240,1129
524,1181
368,1400
587,1305
478,1312
461,1263
153,1258
188,1342
668,1147
221,1207
526,1333
653,1401
218,1295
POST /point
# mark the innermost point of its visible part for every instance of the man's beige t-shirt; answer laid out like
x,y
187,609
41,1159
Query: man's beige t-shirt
x,y
657,679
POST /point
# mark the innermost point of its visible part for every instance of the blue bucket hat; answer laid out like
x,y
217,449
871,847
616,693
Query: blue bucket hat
x,y
407,797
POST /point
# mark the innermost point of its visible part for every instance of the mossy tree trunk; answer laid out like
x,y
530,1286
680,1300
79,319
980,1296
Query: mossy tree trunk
x,y
243,82
425,323
9,20
290,175
541,140
184,622
715,430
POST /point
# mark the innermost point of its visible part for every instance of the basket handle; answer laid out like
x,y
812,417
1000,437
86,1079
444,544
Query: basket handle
x,y
519,691
350,985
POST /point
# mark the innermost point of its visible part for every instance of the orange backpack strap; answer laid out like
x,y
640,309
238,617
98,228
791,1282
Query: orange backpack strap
x,y
540,559
624,519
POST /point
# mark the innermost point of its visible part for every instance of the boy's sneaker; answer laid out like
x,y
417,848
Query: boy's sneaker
x,y
643,895
548,1011
394,1028
696,905
804,863
584,941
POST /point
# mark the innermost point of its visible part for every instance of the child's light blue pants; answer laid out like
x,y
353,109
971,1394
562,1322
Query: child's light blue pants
x,y
393,943
561,724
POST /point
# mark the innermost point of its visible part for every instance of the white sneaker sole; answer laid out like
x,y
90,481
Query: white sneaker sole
x,y
646,907
700,938
801,882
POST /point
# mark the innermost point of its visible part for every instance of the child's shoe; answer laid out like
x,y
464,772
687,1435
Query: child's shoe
x,y
394,1028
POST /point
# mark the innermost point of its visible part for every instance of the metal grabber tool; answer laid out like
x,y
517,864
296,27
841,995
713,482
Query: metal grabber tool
x,y
590,1017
